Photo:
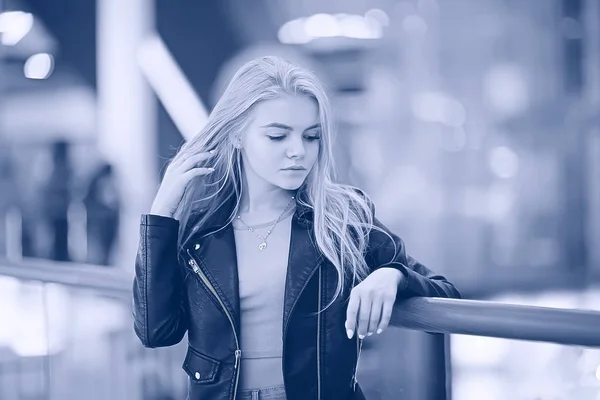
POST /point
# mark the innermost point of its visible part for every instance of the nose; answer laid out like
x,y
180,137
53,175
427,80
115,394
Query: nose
x,y
296,148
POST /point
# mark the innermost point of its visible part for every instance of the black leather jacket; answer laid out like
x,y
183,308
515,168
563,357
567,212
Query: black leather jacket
x,y
198,294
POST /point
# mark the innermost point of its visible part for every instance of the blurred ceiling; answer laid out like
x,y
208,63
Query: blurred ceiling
x,y
283,11
259,20
200,34
72,24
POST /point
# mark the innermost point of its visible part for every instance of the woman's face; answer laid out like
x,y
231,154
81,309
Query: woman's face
x,y
281,143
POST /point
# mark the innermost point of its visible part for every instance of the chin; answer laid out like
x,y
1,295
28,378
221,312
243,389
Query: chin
x,y
290,184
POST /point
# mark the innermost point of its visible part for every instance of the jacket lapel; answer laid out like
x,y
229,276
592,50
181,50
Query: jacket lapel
x,y
304,260
214,248
217,254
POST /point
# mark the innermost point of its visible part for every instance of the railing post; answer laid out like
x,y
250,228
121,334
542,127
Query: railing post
x,y
591,95
407,364
438,366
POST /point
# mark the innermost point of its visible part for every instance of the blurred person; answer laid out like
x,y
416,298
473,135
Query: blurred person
x,y
8,196
102,203
276,272
56,196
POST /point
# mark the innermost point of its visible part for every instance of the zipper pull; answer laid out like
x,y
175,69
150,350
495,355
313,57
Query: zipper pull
x,y
194,265
238,354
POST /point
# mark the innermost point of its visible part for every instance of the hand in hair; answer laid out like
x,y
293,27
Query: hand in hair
x,y
371,302
177,177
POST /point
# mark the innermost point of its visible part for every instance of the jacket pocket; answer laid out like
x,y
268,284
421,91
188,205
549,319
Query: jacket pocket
x,y
200,367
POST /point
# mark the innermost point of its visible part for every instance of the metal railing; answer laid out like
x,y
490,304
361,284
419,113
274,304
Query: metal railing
x,y
448,316
102,279
493,319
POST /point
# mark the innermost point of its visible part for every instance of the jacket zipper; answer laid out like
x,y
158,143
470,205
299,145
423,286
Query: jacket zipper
x,y
238,352
319,339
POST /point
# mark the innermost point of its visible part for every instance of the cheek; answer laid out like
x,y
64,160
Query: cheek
x,y
257,150
314,151
263,156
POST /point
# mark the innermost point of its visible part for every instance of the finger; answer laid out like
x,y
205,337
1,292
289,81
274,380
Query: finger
x,y
351,314
386,314
194,172
193,161
375,315
175,161
179,159
364,315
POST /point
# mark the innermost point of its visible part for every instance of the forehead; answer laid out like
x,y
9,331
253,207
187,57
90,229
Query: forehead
x,y
295,111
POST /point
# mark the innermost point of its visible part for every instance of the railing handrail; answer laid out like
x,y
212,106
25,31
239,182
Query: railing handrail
x,y
436,315
493,319
103,279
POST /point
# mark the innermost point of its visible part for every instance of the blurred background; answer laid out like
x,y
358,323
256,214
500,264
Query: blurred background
x,y
473,124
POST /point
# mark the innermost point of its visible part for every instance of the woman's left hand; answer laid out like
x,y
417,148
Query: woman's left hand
x,y
371,302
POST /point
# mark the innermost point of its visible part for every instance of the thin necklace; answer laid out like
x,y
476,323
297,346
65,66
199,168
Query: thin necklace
x,y
263,243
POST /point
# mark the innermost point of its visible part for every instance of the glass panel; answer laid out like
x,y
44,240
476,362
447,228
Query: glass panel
x,y
59,342
22,340
499,369
491,368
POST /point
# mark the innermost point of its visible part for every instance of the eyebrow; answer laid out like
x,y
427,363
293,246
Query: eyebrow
x,y
287,127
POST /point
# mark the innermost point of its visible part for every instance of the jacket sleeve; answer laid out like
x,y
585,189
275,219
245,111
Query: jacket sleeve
x,y
389,251
159,313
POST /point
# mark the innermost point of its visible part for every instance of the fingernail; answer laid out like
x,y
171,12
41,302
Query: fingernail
x,y
350,332
211,169
370,333
212,152
361,336
379,331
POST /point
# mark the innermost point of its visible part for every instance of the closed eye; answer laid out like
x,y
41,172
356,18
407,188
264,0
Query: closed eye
x,y
311,137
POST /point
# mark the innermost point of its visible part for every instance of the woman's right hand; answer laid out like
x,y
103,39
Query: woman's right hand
x,y
177,177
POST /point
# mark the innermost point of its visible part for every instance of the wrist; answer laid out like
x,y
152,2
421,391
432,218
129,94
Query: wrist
x,y
161,212
398,275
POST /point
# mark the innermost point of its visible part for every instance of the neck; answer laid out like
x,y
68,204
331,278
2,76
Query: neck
x,y
264,200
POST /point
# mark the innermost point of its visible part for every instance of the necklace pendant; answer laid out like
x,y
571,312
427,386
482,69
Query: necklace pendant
x,y
262,246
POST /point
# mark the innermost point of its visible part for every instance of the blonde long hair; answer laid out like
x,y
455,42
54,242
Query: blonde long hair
x,y
343,217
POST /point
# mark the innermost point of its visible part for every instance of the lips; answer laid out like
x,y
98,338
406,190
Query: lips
x,y
295,168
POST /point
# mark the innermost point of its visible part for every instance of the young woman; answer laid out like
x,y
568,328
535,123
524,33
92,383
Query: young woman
x,y
275,271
